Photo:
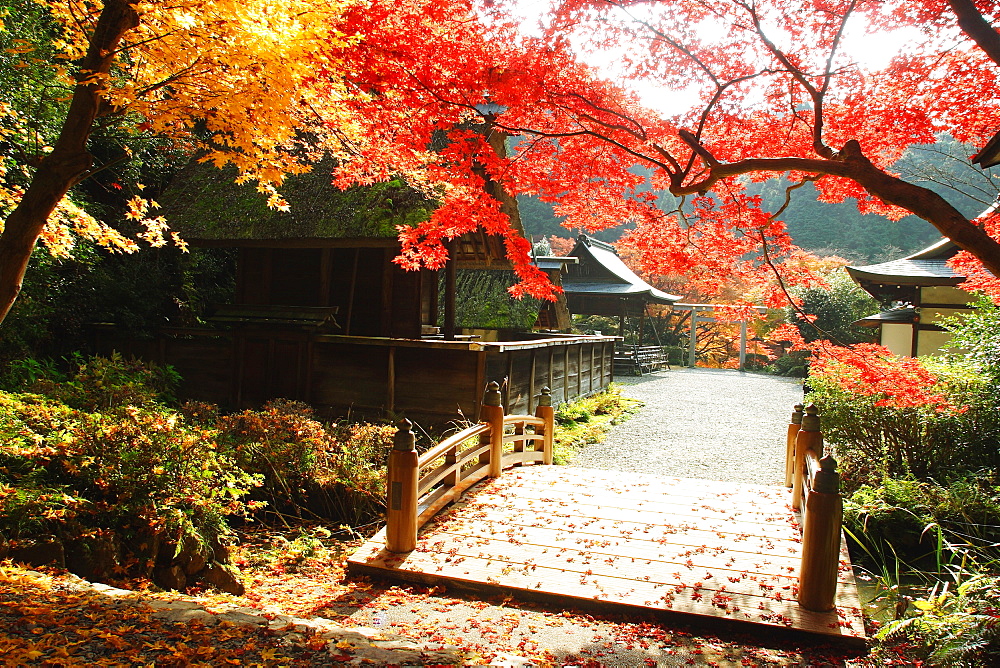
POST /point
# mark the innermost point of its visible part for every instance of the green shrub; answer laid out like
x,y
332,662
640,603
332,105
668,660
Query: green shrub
x,y
280,442
567,414
335,472
107,383
874,442
792,364
101,462
142,472
587,420
24,373
355,485
926,524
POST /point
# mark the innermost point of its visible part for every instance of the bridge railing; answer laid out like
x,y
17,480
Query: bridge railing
x,y
421,485
815,487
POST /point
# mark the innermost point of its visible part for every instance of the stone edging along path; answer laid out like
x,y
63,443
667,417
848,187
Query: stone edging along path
x,y
366,645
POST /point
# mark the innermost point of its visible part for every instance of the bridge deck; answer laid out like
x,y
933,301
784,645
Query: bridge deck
x,y
695,547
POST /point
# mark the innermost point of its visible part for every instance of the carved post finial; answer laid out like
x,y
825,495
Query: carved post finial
x,y
492,396
810,421
827,479
797,414
404,440
545,398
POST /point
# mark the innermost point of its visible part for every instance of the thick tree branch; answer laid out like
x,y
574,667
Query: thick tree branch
x,y
851,163
978,28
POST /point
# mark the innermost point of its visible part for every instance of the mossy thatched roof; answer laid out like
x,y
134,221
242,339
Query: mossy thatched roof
x,y
204,203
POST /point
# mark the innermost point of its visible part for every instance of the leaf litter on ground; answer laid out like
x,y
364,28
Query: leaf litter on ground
x,y
302,573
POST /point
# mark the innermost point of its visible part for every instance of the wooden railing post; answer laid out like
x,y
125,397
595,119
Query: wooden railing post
x,y
545,411
492,413
807,438
824,515
401,519
793,431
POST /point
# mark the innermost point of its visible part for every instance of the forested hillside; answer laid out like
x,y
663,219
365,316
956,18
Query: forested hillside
x,y
827,228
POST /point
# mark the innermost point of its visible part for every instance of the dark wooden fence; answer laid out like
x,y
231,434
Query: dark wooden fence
x,y
430,381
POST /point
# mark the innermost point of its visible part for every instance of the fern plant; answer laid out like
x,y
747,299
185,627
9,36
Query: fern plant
x,y
955,629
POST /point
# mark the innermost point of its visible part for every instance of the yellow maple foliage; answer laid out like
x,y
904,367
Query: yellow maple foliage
x,y
231,80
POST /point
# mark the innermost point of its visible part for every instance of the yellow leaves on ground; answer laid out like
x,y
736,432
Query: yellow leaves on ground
x,y
43,621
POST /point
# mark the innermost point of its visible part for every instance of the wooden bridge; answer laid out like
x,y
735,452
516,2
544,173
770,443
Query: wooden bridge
x,y
739,554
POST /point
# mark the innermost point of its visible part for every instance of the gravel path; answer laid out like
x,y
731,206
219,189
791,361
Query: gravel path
x,y
702,423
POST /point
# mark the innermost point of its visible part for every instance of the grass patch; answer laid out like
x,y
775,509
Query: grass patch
x,y
588,420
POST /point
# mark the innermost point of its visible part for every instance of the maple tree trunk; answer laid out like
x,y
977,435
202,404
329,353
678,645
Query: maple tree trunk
x,y
69,160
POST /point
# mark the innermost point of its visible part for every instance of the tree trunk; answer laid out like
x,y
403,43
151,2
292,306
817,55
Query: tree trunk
x,y
69,160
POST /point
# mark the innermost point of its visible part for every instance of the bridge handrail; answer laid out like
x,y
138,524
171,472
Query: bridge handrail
x,y
413,498
455,457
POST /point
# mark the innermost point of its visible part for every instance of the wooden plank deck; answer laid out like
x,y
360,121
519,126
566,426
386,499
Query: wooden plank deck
x,y
695,547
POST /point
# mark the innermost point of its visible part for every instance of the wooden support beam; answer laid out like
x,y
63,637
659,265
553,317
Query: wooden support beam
x,y
325,271
692,344
350,292
531,384
552,362
385,321
449,292
593,367
510,383
391,381
566,394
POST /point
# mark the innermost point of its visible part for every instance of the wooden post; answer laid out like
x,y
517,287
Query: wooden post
x,y
793,431
821,540
390,381
350,292
492,413
743,345
401,520
531,382
692,344
547,413
808,438
449,291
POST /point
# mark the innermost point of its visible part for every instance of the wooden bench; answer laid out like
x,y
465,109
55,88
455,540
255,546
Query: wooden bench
x,y
637,360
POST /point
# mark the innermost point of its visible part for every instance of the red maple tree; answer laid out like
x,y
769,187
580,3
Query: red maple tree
x,y
776,94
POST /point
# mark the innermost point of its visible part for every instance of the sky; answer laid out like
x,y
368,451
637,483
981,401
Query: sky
x,y
870,51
